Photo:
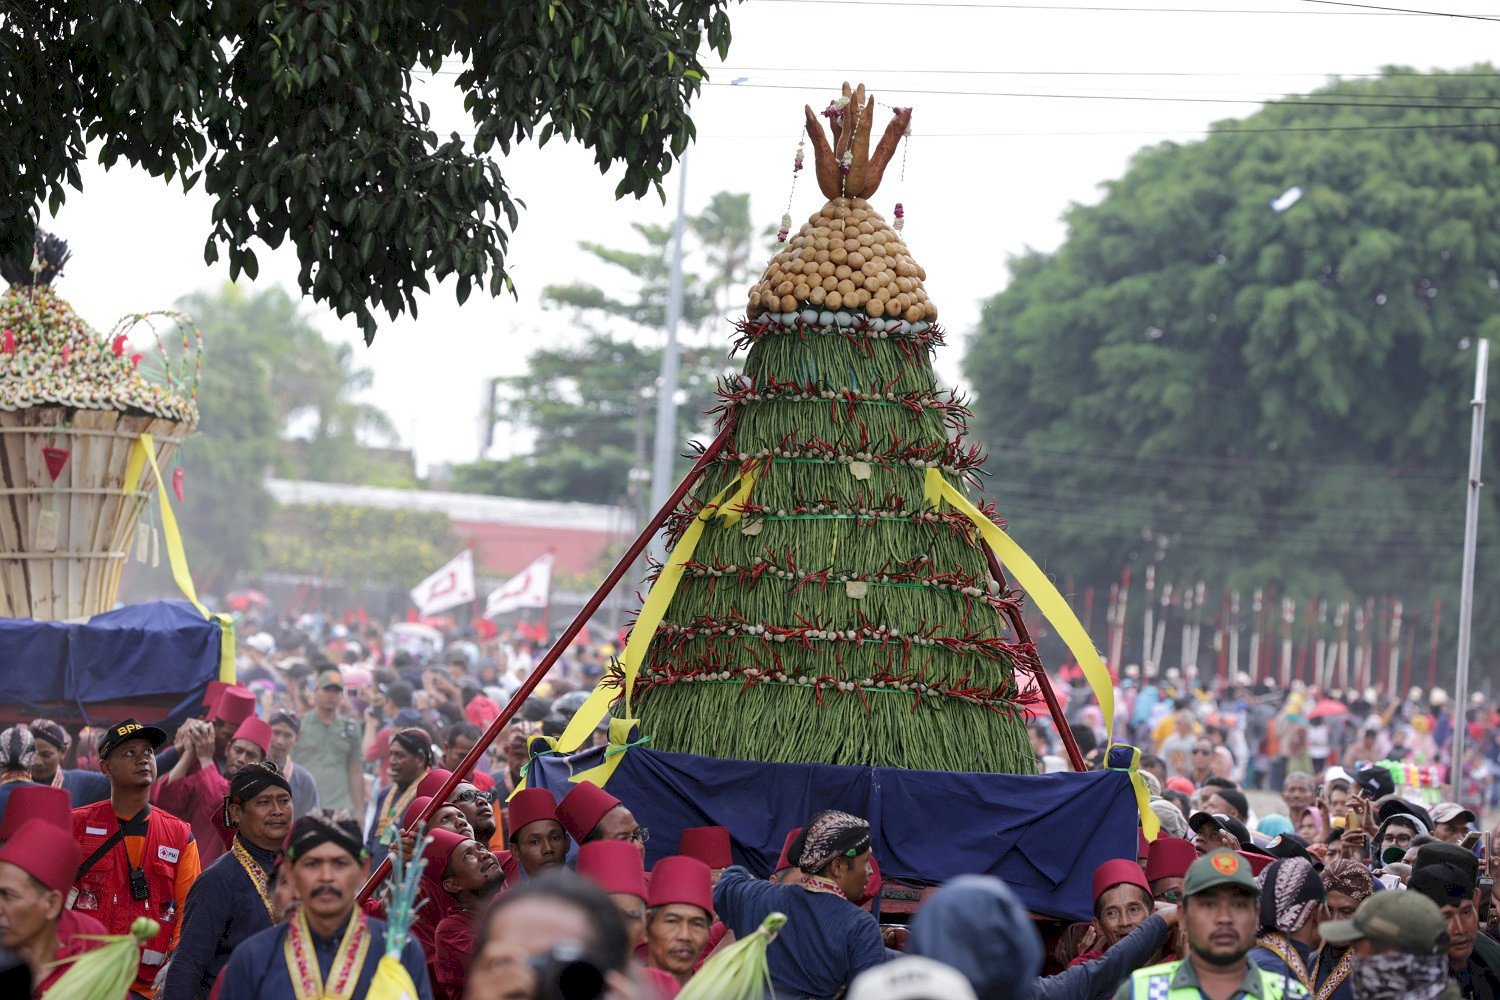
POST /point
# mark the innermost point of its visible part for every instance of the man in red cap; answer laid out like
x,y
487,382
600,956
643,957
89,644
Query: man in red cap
x,y
469,874
235,706
537,839
786,871
710,845
137,861
1122,902
615,866
37,865
679,913
1167,867
590,813
195,790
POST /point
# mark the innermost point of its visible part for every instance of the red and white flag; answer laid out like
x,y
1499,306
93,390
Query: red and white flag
x,y
448,587
529,588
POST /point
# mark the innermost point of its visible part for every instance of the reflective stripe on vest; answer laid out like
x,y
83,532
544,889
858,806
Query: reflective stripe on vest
x,y
1155,983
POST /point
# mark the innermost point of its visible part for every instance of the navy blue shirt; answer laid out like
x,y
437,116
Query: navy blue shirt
x,y
85,787
826,942
257,969
222,910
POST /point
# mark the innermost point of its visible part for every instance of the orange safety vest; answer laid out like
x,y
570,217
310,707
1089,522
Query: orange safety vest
x,y
108,881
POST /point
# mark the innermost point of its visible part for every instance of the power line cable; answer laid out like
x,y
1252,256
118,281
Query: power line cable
x,y
1291,100
1358,10
1368,7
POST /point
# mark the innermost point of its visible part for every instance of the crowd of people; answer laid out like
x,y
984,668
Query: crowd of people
x,y
248,831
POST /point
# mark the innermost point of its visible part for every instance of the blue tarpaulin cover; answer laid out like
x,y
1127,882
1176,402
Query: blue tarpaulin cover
x,y
153,661
1043,834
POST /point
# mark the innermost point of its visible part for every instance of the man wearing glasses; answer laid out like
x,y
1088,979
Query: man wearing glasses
x,y
590,813
477,809
1167,867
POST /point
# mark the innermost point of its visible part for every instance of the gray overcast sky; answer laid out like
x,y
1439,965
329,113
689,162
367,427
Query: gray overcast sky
x,y
986,175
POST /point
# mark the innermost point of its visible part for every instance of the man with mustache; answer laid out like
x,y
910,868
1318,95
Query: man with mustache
x,y
1220,911
232,898
330,947
138,861
678,917
538,841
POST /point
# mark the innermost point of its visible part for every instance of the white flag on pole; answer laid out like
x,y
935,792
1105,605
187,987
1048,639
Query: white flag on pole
x,y
527,589
448,587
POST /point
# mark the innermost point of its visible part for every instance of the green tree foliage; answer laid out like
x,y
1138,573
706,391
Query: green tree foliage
x,y
266,367
358,547
1253,396
592,406
299,120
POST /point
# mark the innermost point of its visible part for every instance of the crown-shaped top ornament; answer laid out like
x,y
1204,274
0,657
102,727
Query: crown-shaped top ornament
x,y
847,258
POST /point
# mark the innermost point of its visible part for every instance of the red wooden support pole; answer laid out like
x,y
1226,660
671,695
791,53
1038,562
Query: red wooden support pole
x,y
1075,757
440,797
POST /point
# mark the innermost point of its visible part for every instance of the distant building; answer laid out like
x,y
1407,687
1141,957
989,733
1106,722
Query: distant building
x,y
507,533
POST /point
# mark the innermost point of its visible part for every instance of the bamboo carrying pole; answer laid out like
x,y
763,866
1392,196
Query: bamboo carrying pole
x,y
564,638
1466,589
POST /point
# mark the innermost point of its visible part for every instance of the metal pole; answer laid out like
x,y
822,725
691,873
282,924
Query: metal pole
x,y
1466,588
666,394
461,772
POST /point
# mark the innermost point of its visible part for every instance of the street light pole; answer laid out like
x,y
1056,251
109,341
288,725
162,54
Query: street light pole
x,y
1466,592
666,393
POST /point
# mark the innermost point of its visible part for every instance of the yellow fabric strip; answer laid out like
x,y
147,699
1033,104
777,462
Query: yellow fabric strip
x,y
1029,576
145,453
596,707
1150,822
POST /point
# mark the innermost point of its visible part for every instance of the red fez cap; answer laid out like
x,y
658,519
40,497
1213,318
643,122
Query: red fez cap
x,y
1120,871
257,731
874,883
38,851
1171,857
528,806
709,844
440,846
212,692
432,782
613,865
582,809
1142,845
1181,783
784,862
414,810
235,706
681,880
42,802
1258,862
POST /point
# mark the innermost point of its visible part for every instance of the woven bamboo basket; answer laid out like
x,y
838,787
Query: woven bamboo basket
x,y
64,541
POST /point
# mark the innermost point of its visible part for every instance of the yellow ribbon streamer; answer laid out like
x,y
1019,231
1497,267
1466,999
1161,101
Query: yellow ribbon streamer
x,y
145,453
1029,576
593,711
1150,822
1054,608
